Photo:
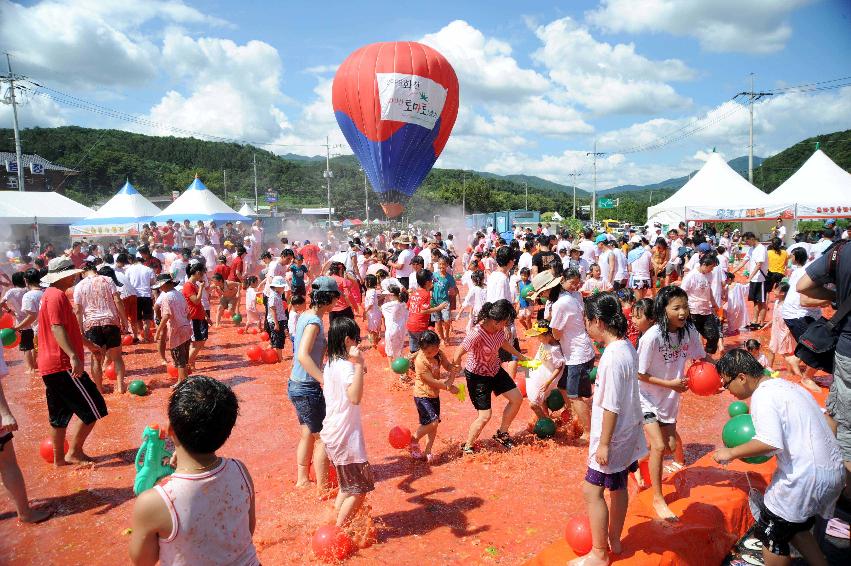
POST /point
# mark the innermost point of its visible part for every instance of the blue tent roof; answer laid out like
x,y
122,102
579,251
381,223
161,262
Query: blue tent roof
x,y
128,189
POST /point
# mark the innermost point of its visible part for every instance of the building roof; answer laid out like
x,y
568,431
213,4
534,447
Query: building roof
x,y
29,158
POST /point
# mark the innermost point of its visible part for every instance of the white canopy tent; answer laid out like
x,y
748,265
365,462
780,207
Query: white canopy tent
x,y
40,207
199,203
819,189
246,210
716,193
121,216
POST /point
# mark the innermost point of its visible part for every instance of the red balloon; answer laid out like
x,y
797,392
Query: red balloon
x,y
255,331
399,437
226,313
240,330
127,340
332,474
269,356
254,353
703,379
380,348
578,534
520,381
109,372
172,371
264,336
7,320
46,450
331,543
644,470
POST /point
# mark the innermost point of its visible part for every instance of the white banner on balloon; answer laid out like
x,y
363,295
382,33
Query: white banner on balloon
x,y
714,214
410,98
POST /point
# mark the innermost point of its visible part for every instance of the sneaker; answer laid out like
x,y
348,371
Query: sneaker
x,y
504,439
416,454
467,450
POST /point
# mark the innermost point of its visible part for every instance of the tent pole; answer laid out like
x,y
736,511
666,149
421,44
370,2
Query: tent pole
x,y
795,220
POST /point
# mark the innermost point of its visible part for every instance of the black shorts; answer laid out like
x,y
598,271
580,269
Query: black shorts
x,y
27,340
707,325
773,279
404,281
775,532
797,326
576,380
67,397
507,356
200,330
277,339
4,438
108,336
144,308
180,355
756,292
428,408
299,290
481,387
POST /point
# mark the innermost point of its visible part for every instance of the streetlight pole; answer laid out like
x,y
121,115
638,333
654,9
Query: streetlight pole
x,y
526,186
255,182
595,154
464,196
14,104
365,196
574,175
328,174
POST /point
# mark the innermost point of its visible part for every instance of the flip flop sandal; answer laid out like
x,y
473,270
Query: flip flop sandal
x,y
753,544
755,560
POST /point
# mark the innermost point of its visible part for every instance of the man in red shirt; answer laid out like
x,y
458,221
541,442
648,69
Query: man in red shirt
x,y
167,234
311,258
76,255
68,388
150,260
419,308
192,291
237,266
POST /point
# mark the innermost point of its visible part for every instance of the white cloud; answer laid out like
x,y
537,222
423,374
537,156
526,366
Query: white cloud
x,y
34,111
753,26
485,66
607,78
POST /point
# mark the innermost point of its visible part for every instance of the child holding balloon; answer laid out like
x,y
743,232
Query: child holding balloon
x,y
615,442
662,355
810,474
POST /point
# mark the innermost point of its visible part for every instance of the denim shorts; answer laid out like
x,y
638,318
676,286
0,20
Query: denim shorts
x,y
428,409
309,403
441,315
414,340
576,380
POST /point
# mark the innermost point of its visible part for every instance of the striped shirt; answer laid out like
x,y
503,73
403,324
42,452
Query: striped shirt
x,y
482,349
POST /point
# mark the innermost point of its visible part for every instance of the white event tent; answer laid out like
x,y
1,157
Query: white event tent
x,y
819,189
246,210
716,193
199,203
18,207
121,216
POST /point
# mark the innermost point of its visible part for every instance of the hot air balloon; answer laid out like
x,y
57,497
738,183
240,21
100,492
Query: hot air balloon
x,y
396,103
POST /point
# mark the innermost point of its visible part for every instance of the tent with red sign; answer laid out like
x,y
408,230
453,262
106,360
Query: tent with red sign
x,y
819,189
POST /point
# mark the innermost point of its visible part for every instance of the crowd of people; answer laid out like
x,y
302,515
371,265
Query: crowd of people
x,y
652,303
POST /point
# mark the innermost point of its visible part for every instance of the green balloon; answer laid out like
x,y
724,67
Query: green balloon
x,y
757,459
593,374
524,292
545,428
747,273
7,336
400,365
554,400
658,283
137,387
738,430
737,408
784,280
237,318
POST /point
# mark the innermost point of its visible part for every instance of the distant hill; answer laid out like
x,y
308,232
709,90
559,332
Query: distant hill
x,y
535,182
777,168
739,164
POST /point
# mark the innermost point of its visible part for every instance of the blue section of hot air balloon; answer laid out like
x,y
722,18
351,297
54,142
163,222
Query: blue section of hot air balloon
x,y
398,165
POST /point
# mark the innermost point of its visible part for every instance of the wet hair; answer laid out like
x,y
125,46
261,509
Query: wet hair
x,y
223,259
592,266
419,260
709,258
776,244
660,241
266,255
297,300
738,361
429,338
730,276
478,278
748,236
195,267
251,280
606,307
663,298
18,279
752,344
504,256
720,250
544,327
571,273
625,295
498,310
423,277
202,412
323,298
525,271
108,258
32,276
337,268
800,256
370,281
218,277
556,266
240,250
783,288
643,307
341,328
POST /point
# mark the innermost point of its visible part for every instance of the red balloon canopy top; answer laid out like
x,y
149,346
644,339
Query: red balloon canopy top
x,y
356,86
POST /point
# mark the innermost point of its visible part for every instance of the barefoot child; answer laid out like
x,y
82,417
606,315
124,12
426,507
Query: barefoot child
x,y
276,317
204,512
754,348
229,296
477,295
594,283
174,327
193,291
782,342
298,305
809,475
662,355
615,441
420,308
395,314
371,308
342,432
484,373
252,288
542,379
427,362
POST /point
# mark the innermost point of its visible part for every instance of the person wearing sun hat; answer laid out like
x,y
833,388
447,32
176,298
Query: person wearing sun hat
x,y
276,315
174,323
403,262
61,360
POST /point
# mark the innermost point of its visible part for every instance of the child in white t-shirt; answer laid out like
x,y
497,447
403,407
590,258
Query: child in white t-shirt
x,y
342,431
298,305
477,295
809,476
543,379
662,355
395,313
371,308
754,348
251,285
595,283
615,443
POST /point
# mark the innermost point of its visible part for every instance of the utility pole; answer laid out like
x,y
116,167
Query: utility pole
x,y
594,154
328,174
255,182
225,176
13,102
752,96
526,185
464,196
574,175
365,196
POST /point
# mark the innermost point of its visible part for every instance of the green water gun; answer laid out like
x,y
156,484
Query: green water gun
x,y
152,469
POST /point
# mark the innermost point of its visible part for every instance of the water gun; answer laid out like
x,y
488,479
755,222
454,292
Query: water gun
x,y
768,372
152,469
462,392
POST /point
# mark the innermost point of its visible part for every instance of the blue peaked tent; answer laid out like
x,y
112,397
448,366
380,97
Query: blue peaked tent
x,y
199,203
122,215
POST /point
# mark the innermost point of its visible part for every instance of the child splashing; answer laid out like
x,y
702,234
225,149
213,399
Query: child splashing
x,y
615,442
542,379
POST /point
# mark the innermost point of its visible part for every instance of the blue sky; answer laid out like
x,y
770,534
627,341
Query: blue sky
x,y
539,81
